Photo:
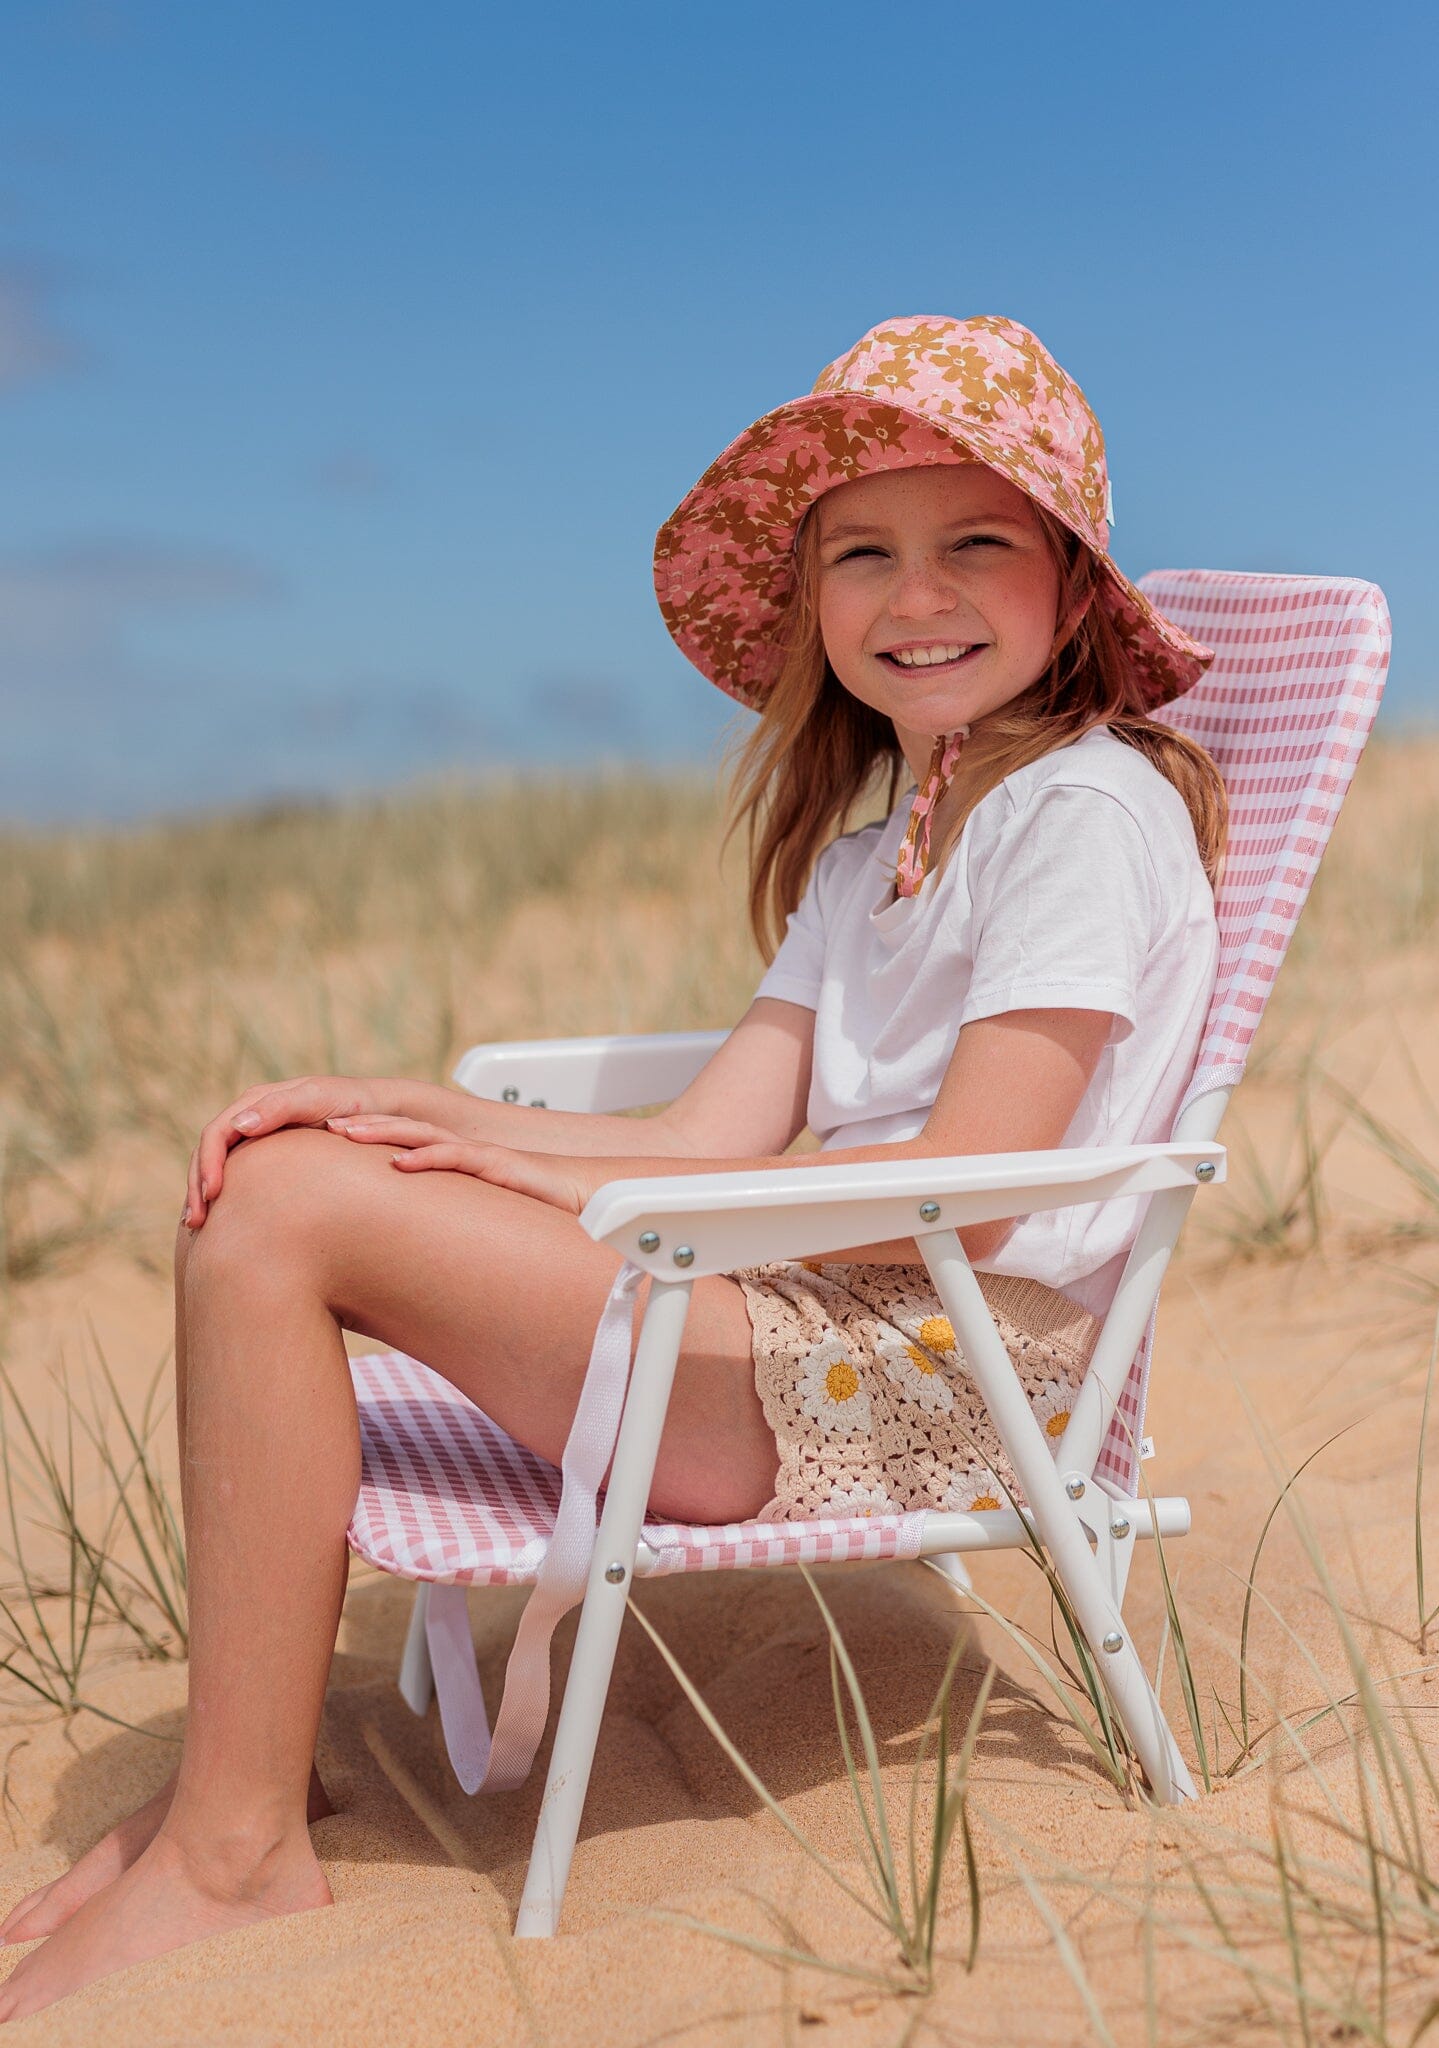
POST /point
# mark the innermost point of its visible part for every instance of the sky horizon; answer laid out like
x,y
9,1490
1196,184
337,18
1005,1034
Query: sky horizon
x,y
349,361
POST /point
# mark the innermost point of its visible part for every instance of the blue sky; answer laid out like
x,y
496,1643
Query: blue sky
x,y
350,355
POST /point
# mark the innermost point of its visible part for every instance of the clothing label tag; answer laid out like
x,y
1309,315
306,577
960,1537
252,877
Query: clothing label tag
x,y
1146,1447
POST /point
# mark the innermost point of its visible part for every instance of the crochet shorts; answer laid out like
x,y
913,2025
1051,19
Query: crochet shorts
x,y
873,1408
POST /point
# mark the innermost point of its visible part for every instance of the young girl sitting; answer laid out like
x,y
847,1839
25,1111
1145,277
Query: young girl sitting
x,y
907,568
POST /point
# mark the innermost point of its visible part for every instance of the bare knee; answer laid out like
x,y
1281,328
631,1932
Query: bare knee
x,y
264,1218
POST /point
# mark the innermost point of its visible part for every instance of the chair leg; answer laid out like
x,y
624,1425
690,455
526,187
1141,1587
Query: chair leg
x,y
417,1684
1113,1529
611,1569
1053,1499
571,1760
1137,1705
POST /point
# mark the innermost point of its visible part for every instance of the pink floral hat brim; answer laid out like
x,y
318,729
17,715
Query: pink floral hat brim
x,y
724,562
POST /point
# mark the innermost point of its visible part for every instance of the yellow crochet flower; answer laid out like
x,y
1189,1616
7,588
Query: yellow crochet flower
x,y
861,1500
919,1375
1052,1406
975,1493
936,1333
833,1393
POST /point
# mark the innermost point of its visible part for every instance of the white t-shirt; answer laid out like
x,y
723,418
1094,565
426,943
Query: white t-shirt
x,y
1076,884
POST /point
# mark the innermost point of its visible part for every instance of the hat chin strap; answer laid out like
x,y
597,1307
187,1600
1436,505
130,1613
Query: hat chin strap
x,y
912,863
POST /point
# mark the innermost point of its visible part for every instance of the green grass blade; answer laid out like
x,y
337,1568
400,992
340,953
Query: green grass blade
x,y
1182,1663
885,1846
951,1810
1055,1685
1253,1573
878,1875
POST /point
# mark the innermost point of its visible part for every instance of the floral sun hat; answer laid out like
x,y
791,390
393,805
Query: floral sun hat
x,y
911,391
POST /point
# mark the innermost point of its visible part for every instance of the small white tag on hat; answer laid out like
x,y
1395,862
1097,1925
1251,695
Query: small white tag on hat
x,y
1108,502
1146,1447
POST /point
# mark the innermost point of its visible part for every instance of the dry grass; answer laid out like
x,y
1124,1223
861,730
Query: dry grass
x,y
144,976
1328,1944
87,1567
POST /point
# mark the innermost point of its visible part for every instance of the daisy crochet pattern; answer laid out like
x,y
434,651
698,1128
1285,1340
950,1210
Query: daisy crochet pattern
x,y
872,1404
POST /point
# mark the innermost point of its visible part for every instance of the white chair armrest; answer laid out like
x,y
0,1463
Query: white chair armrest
x,y
597,1074
727,1220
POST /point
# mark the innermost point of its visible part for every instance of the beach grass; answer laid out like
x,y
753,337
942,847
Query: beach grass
x,y
1330,1943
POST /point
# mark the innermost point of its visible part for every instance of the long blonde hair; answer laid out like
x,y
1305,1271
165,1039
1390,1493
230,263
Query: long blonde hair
x,y
817,751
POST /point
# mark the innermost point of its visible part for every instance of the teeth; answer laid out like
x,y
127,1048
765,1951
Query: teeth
x,y
927,657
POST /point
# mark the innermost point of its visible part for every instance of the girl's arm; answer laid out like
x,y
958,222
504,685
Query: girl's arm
x,y
750,1095
1013,1084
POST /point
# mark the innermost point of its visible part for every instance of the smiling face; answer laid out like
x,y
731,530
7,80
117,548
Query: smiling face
x,y
937,595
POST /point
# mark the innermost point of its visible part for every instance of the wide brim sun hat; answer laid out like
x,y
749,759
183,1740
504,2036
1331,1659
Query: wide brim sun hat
x,y
913,391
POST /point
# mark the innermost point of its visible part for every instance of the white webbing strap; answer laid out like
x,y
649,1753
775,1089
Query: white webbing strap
x,y
498,1764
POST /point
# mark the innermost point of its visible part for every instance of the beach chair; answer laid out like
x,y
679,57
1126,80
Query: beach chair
x,y
449,1500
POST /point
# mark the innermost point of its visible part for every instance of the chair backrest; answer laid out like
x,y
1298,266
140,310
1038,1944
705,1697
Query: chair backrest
x,y
1284,709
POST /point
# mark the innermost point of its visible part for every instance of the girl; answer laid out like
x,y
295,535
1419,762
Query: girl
x,y
907,568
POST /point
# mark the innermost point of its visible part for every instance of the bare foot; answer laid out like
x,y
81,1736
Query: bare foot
x,y
168,1897
40,1912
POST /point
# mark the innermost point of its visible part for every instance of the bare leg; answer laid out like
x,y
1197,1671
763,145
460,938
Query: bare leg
x,y
50,1905
498,1292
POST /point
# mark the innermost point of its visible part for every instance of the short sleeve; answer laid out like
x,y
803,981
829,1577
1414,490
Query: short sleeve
x,y
1064,908
797,969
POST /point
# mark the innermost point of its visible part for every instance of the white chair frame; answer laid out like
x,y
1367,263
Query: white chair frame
x,y
1285,711
680,1228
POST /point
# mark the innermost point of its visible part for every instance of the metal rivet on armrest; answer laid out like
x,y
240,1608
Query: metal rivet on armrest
x,y
1205,1170
649,1240
510,1095
683,1255
929,1212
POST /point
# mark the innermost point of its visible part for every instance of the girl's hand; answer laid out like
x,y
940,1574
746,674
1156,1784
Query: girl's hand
x,y
564,1181
270,1107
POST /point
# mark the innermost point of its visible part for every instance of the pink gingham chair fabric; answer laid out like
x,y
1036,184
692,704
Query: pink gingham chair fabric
x,y
1285,710
449,1498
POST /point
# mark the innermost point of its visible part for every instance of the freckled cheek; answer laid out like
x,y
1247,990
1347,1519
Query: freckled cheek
x,y
1024,618
843,625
